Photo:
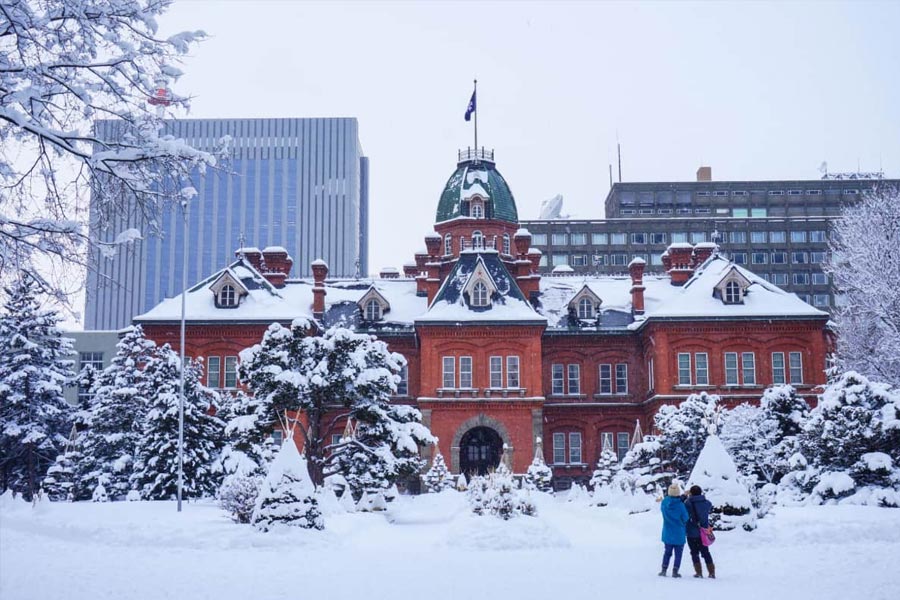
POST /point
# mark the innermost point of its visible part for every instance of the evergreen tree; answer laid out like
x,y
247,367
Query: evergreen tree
x,y
156,467
784,416
115,419
438,478
716,473
746,437
248,435
59,484
607,467
287,496
683,430
35,418
539,476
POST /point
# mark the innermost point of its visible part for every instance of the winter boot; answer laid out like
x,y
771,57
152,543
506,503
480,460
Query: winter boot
x,y
712,570
662,572
698,570
675,574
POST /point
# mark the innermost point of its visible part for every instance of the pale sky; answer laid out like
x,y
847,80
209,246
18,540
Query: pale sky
x,y
757,91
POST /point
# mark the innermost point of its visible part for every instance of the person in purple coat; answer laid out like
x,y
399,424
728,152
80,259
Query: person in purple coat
x,y
698,508
675,518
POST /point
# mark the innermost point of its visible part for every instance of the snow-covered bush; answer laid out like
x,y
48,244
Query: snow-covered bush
x,y
496,494
237,496
716,473
438,478
682,431
601,480
59,484
287,496
539,476
99,494
248,435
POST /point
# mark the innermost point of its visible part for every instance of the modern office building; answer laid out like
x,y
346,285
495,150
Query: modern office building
x,y
299,184
777,229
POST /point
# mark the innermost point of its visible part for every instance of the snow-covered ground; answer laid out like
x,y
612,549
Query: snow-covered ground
x,y
431,546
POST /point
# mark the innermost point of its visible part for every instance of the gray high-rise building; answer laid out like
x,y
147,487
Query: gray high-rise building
x,y
297,183
777,229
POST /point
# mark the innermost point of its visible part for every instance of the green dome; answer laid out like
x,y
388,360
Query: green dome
x,y
481,178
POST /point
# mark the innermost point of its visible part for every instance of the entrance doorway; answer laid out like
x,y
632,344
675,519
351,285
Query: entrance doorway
x,y
479,451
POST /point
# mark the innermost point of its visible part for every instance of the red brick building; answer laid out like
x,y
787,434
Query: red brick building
x,y
499,355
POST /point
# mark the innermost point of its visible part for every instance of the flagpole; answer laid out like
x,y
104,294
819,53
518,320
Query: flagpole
x,y
475,95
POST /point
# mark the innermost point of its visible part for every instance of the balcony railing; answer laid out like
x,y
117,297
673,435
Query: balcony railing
x,y
475,154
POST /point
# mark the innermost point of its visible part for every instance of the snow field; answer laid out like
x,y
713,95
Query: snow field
x,y
431,545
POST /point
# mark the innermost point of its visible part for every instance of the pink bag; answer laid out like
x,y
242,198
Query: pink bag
x,y
707,537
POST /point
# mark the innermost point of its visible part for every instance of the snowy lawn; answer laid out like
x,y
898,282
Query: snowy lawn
x,y
431,546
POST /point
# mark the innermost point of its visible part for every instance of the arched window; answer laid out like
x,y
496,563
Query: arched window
x,y
585,309
477,240
448,245
373,310
732,293
227,296
506,247
477,209
479,294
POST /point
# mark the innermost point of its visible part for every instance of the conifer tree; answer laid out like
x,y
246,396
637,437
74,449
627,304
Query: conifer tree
x,y
287,496
683,430
607,467
156,467
115,419
60,482
438,478
35,367
539,476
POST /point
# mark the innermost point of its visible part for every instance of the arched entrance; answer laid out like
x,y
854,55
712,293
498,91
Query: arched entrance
x,y
479,451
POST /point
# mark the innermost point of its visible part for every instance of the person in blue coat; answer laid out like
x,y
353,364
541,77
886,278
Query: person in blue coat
x,y
675,518
698,508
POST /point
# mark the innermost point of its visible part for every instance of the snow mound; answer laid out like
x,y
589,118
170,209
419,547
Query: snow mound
x,y
476,533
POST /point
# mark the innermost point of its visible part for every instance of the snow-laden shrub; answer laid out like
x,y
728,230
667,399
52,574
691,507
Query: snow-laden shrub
x,y
539,476
716,473
237,496
496,494
287,495
438,478
100,494
683,430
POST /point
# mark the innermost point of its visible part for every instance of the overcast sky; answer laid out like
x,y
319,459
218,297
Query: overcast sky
x,y
757,91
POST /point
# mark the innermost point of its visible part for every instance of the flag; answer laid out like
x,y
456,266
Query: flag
x,y
471,108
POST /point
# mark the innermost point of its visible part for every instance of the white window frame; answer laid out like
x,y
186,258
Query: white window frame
x,y
732,373
231,367
575,448
213,381
479,294
448,372
496,369
622,444
227,295
650,375
798,369
559,448
465,372
748,368
684,368
778,370
573,379
607,378
512,372
448,245
585,308
477,240
621,378
373,310
732,292
701,368
506,244
557,379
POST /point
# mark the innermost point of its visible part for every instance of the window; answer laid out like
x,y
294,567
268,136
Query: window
x,y
796,366
701,366
720,193
477,210
779,258
621,378
628,211
758,237
679,237
373,310
698,237
336,438
731,368
817,236
800,258
732,293
559,239
94,360
646,211
801,278
778,367
557,382
574,448
599,260
621,445
496,364
664,211
213,371
578,239
506,246
805,298
776,193
758,212
817,257
512,372
650,382
739,258
702,194
738,237
599,239
403,384
538,239
465,372
449,372
278,437
585,309
657,238
702,210
739,193
543,261
639,238
560,260
748,366
777,237
448,245
684,368
477,240
574,379
795,192
618,239
819,279
759,258
579,260
231,371
606,379
683,211
813,192
479,294
619,260
656,259
779,278
559,448
820,300
227,296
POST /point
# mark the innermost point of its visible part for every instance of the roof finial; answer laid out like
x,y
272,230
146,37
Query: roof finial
x,y
241,240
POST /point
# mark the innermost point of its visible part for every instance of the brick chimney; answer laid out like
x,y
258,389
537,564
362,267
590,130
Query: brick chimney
x,y
702,251
433,244
522,239
273,263
680,262
389,273
320,272
636,270
252,256
410,270
704,174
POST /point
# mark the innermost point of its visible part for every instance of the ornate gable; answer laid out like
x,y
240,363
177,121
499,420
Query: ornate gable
x,y
228,290
732,288
480,287
585,304
373,305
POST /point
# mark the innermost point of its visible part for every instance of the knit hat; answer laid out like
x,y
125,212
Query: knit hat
x,y
674,490
696,491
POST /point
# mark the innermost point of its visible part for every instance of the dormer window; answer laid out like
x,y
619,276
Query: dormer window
x,y
479,294
477,209
373,310
585,308
477,240
732,293
506,247
227,297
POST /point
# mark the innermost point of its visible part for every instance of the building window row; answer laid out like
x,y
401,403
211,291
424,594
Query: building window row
x,y
740,368
567,448
662,238
465,372
565,380
214,372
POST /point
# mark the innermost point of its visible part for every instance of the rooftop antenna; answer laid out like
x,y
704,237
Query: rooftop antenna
x,y
241,241
619,151
610,175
